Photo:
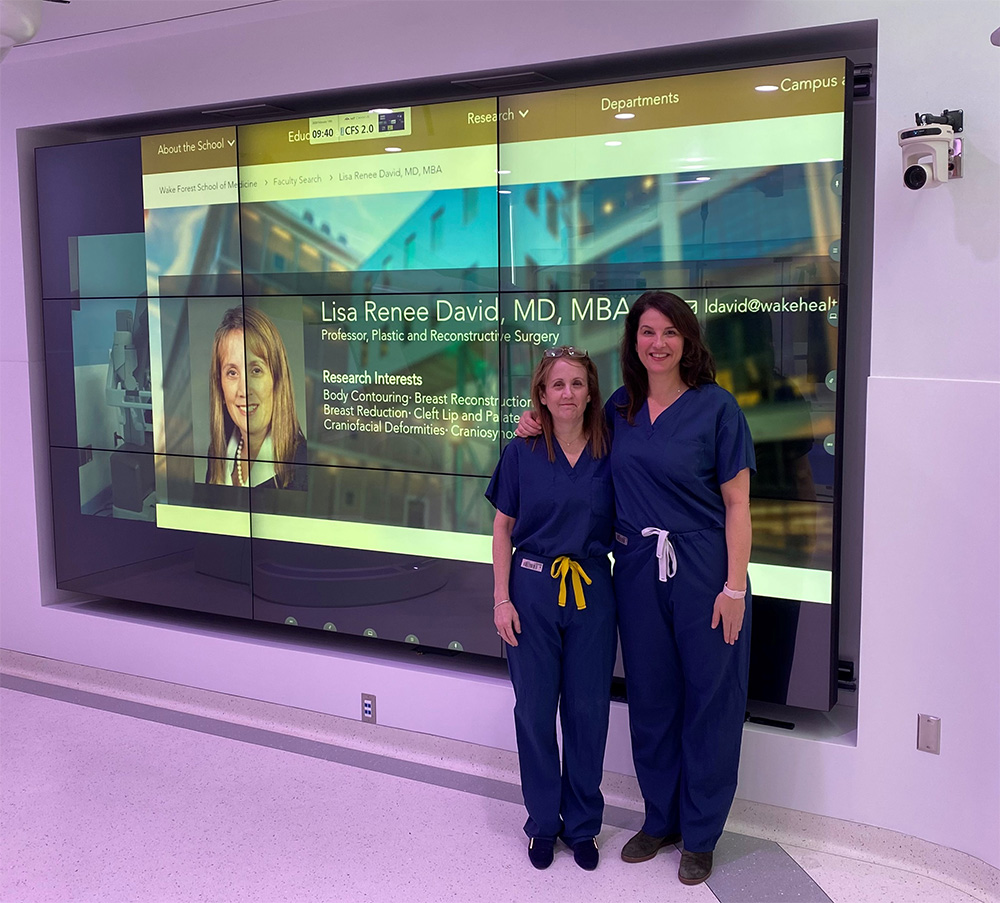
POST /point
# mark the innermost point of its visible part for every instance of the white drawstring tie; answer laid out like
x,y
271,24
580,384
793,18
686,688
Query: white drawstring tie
x,y
665,554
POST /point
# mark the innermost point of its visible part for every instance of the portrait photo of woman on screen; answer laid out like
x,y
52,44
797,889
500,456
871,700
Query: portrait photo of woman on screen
x,y
256,439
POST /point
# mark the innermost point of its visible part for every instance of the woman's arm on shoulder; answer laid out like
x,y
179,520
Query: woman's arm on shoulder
x,y
528,425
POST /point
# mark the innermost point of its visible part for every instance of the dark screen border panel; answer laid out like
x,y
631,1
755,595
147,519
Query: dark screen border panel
x,y
422,601
91,189
790,643
88,407
118,552
401,593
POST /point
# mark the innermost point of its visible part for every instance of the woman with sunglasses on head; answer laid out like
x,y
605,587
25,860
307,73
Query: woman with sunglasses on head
x,y
554,602
681,458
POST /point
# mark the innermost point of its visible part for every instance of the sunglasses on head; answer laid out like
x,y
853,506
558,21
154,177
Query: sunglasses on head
x,y
565,351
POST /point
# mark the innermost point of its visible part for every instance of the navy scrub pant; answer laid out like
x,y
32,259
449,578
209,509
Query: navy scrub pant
x,y
687,687
563,660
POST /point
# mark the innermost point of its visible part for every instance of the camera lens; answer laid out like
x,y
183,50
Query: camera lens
x,y
915,177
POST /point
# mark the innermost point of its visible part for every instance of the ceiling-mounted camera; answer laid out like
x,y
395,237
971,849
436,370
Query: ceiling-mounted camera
x,y
932,154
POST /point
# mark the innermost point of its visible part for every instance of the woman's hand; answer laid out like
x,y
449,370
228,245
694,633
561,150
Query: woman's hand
x,y
528,425
507,622
729,612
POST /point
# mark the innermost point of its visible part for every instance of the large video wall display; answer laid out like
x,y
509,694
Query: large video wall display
x,y
283,358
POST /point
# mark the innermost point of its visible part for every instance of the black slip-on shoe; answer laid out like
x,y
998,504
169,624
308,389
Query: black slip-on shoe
x,y
695,867
540,851
644,847
585,854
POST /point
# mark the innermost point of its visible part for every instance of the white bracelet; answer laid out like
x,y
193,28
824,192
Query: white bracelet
x,y
501,602
732,593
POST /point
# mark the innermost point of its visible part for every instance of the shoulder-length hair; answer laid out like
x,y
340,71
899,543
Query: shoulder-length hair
x,y
594,426
697,366
263,340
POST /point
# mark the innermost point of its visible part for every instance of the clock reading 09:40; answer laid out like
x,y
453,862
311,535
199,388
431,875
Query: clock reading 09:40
x,y
324,133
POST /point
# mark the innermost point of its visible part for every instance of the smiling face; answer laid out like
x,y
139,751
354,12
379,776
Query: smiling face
x,y
658,344
565,392
247,387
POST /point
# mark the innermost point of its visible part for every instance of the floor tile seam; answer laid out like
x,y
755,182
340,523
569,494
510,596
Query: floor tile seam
x,y
985,890
973,892
767,821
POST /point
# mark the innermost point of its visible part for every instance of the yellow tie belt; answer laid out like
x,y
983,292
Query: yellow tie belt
x,y
562,566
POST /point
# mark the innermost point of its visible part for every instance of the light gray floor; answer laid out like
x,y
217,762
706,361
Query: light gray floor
x,y
109,800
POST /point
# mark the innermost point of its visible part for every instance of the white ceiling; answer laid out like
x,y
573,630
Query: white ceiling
x,y
84,17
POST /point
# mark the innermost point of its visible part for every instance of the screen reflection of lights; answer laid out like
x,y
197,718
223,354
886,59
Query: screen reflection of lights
x,y
503,191
393,150
697,181
380,110
612,143
503,172
764,89
624,115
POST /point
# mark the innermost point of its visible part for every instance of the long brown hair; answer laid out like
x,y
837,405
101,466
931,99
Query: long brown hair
x,y
594,427
262,339
697,366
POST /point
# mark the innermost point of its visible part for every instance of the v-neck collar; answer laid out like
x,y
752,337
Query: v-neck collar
x,y
651,424
571,469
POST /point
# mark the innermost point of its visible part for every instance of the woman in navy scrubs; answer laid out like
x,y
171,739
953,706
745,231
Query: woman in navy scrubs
x,y
681,458
554,603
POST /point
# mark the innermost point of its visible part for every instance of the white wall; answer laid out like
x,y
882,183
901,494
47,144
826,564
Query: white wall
x,y
930,630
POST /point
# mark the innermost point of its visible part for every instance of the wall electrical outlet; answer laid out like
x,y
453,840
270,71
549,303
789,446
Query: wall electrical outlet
x,y
929,734
368,707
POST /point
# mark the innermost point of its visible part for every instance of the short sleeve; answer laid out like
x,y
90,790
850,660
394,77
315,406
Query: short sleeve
x,y
733,445
503,491
618,397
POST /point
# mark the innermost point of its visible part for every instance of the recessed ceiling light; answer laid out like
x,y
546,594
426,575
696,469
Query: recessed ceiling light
x,y
764,89
624,115
612,143
393,150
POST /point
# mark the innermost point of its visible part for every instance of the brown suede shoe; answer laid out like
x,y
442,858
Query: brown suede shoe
x,y
695,867
644,847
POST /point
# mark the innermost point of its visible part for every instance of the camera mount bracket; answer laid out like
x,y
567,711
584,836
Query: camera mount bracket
x,y
954,118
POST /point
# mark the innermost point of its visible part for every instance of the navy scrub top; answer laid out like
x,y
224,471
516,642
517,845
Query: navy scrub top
x,y
558,509
668,474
